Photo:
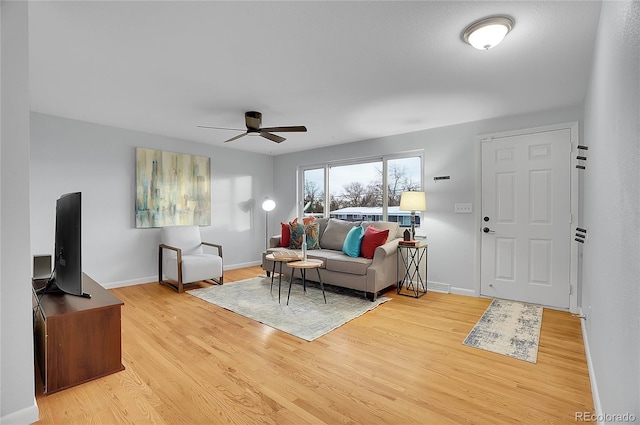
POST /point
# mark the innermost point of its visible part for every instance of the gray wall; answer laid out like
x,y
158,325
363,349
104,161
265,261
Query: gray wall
x,y
17,401
99,161
63,150
611,257
448,151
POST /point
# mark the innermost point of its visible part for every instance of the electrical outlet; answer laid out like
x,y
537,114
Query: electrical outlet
x,y
466,208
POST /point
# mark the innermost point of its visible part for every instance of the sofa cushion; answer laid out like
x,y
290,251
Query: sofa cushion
x,y
305,220
394,228
335,233
322,254
352,242
312,231
297,230
342,263
285,234
372,239
323,225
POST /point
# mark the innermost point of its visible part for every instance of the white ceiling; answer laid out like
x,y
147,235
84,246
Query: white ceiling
x,y
347,70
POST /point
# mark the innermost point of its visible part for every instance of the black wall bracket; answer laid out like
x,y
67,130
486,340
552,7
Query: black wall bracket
x,y
581,235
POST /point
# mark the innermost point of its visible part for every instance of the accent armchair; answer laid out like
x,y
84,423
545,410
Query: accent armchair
x,y
186,260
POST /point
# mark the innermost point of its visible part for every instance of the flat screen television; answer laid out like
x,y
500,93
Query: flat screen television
x,y
67,264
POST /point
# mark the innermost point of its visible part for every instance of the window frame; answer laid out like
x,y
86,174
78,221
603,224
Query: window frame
x,y
326,166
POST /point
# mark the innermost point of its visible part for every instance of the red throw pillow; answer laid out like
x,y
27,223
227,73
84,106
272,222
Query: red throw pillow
x,y
285,234
372,239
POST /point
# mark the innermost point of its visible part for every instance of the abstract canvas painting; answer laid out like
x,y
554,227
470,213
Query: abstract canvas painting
x,y
172,189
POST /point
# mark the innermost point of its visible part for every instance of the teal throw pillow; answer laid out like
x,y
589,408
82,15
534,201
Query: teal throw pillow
x,y
352,242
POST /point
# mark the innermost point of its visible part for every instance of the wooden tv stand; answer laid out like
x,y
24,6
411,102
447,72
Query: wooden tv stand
x,y
77,339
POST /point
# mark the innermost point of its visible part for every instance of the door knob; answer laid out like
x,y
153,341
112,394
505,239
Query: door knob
x,y
486,219
487,230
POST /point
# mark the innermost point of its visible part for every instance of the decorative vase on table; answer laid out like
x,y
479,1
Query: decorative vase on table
x,y
304,247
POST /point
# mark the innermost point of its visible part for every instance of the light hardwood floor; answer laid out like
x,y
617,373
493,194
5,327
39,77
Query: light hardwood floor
x,y
190,362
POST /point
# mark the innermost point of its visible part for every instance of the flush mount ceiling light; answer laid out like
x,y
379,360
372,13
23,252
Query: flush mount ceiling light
x,y
488,32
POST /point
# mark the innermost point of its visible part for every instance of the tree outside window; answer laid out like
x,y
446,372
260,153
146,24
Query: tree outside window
x,y
314,192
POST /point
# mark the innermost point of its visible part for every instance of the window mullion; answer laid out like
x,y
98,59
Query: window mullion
x,y
385,191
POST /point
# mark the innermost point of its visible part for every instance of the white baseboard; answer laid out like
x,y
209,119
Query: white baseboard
x,y
243,265
131,282
463,291
592,377
27,415
154,278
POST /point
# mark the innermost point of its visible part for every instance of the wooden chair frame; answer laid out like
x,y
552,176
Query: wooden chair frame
x,y
179,285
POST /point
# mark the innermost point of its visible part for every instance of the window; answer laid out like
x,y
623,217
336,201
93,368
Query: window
x,y
313,192
368,189
402,174
355,190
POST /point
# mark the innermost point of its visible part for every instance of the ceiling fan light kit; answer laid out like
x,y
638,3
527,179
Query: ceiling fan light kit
x,y
253,121
488,32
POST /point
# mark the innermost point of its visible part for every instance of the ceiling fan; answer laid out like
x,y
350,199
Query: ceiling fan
x,y
253,120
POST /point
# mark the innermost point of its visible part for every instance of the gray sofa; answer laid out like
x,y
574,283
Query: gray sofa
x,y
362,274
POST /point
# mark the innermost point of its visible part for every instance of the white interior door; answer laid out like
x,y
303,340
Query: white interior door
x,y
526,218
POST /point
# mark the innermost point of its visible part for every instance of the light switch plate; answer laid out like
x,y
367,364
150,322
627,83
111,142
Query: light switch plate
x,y
466,208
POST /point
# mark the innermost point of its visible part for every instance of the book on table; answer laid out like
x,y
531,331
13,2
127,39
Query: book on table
x,y
286,255
408,243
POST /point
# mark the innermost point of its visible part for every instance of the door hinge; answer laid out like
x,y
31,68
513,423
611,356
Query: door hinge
x,y
570,289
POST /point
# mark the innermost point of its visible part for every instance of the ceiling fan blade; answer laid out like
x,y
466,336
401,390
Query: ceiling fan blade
x,y
221,128
285,129
272,137
253,121
236,137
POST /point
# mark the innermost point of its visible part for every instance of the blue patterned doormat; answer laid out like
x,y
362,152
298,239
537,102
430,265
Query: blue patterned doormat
x,y
509,328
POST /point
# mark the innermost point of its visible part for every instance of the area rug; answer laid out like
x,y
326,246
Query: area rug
x,y
306,317
509,328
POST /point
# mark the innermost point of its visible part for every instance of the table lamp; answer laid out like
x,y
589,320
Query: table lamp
x,y
413,201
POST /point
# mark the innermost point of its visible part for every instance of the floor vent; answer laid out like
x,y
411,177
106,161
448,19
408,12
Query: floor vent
x,y
439,287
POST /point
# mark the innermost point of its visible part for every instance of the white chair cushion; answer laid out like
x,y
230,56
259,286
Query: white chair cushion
x,y
194,267
187,238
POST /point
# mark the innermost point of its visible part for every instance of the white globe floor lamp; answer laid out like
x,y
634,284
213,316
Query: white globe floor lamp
x,y
267,205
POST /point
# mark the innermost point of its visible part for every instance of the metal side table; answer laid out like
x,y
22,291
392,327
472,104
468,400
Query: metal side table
x,y
411,282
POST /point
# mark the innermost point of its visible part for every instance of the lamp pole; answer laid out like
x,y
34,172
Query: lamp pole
x,y
413,225
267,205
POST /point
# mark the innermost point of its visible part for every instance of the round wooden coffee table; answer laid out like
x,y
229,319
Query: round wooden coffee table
x,y
303,266
279,260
